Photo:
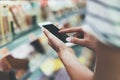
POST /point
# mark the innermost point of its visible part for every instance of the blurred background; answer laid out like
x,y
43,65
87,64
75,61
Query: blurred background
x,y
24,50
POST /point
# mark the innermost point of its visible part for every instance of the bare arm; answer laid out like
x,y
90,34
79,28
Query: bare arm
x,y
75,70
107,56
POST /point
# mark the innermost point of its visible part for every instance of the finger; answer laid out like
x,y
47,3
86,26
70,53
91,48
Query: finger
x,y
79,35
76,40
54,41
50,36
53,46
69,30
61,28
76,35
49,43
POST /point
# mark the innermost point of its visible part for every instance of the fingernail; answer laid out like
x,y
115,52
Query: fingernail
x,y
68,39
59,32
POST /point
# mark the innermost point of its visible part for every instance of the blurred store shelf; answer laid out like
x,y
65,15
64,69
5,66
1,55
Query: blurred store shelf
x,y
42,65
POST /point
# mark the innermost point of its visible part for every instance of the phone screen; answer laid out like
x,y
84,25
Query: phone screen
x,y
54,30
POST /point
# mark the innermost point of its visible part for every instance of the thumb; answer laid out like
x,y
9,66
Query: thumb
x,y
76,40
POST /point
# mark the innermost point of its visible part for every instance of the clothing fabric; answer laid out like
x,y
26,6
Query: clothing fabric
x,y
103,18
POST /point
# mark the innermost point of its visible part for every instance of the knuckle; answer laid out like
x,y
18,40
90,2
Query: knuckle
x,y
85,42
50,38
73,40
79,29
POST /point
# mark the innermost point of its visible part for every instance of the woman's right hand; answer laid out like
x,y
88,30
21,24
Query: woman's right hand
x,y
81,37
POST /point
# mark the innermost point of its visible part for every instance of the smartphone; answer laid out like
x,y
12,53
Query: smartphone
x,y
55,31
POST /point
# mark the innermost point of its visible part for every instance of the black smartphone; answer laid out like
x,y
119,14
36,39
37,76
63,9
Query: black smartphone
x,y
54,30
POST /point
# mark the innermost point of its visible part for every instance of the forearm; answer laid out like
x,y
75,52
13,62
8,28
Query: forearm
x,y
75,70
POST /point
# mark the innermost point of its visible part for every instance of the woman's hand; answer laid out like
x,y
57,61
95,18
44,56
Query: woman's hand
x,y
57,44
81,37
69,59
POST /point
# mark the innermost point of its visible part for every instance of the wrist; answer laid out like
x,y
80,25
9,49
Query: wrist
x,y
66,53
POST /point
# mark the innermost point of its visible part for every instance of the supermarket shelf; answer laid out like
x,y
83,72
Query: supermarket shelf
x,y
25,38
66,17
22,38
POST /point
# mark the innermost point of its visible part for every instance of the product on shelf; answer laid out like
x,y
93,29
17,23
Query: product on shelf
x,y
10,63
38,46
5,29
